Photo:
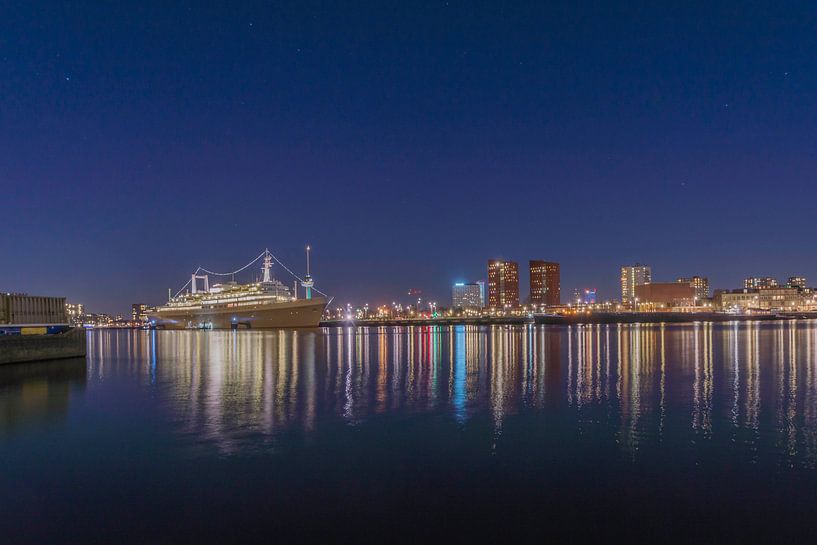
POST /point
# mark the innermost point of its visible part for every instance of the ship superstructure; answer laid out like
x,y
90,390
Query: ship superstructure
x,y
267,303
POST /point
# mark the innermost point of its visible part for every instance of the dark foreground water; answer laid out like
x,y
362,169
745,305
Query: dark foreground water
x,y
699,433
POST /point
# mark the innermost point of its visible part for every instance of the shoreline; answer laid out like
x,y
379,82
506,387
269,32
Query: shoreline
x,y
594,318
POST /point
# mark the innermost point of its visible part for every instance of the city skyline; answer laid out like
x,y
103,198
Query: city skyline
x,y
524,291
137,147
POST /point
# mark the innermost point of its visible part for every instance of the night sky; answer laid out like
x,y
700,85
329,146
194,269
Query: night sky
x,y
408,143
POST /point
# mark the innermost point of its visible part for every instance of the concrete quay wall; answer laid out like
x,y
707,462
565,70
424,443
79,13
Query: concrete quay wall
x,y
23,348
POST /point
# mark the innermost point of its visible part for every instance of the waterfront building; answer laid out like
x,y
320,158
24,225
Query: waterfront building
x,y
765,299
632,276
545,288
503,284
664,295
139,312
780,299
700,284
466,296
798,282
24,309
737,301
482,299
759,283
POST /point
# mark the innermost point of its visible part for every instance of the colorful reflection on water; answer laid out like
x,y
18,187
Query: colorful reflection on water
x,y
513,411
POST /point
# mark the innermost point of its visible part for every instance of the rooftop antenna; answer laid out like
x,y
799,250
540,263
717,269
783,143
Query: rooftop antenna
x,y
307,282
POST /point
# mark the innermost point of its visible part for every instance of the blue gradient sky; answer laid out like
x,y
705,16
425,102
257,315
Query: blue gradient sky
x,y
407,142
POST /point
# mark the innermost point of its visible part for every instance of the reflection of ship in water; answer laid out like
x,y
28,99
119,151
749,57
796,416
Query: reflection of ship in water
x,y
33,393
684,385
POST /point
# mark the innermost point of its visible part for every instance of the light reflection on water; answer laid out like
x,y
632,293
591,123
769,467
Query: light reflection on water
x,y
608,432
643,384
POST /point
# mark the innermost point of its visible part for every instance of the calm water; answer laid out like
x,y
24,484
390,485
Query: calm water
x,y
684,432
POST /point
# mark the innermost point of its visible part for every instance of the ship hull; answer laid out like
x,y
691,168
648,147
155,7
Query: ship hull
x,y
298,313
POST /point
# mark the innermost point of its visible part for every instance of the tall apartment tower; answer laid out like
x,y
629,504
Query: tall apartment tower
x,y
632,276
503,284
545,281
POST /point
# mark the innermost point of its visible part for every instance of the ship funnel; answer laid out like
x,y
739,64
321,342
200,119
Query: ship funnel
x,y
267,267
199,277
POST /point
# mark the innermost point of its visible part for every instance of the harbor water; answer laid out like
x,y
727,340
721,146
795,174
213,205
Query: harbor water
x,y
686,432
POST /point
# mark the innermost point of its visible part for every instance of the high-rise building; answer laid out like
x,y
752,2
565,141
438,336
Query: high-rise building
x,y
466,296
503,284
589,296
483,301
798,282
759,283
139,312
700,284
632,276
545,286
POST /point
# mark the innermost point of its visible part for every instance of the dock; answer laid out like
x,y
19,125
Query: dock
x,y
35,328
27,348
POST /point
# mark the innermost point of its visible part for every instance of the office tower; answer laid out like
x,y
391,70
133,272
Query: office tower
x,y
503,284
544,283
589,296
466,296
632,276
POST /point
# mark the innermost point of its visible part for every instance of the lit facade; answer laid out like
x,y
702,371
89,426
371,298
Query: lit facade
x,y
632,276
503,284
665,294
759,282
467,296
766,299
798,282
545,288
700,284
74,312
139,312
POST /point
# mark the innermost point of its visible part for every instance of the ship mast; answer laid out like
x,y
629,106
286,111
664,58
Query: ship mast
x,y
307,282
